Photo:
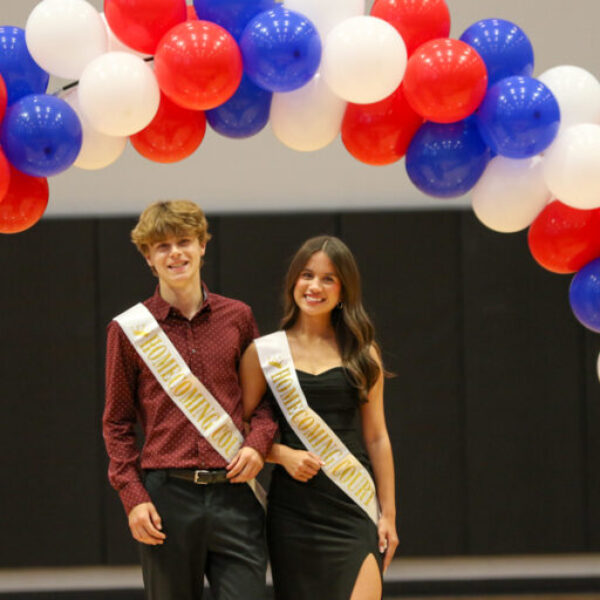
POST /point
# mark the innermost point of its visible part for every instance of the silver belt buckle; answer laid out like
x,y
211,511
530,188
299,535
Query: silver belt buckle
x,y
197,475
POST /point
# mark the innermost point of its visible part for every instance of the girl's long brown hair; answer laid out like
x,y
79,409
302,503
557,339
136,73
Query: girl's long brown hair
x,y
354,331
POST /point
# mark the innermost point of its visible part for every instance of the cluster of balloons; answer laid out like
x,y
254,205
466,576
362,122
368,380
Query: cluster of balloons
x,y
153,72
467,113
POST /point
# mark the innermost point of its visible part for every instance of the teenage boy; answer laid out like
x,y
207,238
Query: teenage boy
x,y
172,368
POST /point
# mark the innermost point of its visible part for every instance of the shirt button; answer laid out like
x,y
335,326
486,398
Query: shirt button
x,y
193,350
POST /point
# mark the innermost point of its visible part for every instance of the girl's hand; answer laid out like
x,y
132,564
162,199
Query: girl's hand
x,y
300,464
388,539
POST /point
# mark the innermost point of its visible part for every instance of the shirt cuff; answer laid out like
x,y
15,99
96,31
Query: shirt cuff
x,y
261,441
133,494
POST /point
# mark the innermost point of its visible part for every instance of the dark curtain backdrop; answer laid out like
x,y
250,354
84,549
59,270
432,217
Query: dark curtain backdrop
x,y
493,410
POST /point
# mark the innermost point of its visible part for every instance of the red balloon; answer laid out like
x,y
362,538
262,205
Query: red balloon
x,y
379,133
173,134
563,239
3,98
141,23
198,65
24,203
191,13
445,80
417,21
4,175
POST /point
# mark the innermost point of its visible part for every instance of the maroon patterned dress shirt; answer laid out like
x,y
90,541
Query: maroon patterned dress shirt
x,y
211,343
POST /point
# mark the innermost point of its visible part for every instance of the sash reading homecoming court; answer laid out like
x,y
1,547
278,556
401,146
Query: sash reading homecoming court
x,y
341,466
188,393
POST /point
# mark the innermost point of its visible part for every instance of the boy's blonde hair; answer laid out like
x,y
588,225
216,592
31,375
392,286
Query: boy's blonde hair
x,y
169,218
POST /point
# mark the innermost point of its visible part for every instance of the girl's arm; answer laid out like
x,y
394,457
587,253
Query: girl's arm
x,y
377,442
300,464
252,380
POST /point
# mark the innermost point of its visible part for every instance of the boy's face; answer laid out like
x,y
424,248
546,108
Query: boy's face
x,y
176,259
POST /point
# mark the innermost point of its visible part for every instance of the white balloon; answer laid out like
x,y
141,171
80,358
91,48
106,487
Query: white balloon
x,y
118,93
97,149
326,14
572,166
598,366
114,43
308,118
510,194
364,59
577,92
63,36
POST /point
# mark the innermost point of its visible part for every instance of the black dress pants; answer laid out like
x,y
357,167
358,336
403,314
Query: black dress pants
x,y
215,530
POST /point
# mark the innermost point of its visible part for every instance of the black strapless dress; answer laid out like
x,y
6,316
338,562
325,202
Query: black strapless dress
x,y
318,537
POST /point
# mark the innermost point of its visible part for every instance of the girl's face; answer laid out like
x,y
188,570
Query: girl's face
x,y
318,288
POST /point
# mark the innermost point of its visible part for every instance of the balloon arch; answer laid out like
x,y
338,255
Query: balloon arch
x,y
466,113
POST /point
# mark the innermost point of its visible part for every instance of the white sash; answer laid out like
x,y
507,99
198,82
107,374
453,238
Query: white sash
x,y
341,466
182,386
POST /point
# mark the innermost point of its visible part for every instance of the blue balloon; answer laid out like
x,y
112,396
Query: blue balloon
x,y
518,117
41,135
446,160
584,295
232,15
281,50
504,47
244,114
22,75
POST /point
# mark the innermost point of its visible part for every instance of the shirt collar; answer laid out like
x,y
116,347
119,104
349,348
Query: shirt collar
x,y
161,309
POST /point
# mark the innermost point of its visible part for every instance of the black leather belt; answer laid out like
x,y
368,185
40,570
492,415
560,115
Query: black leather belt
x,y
199,477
